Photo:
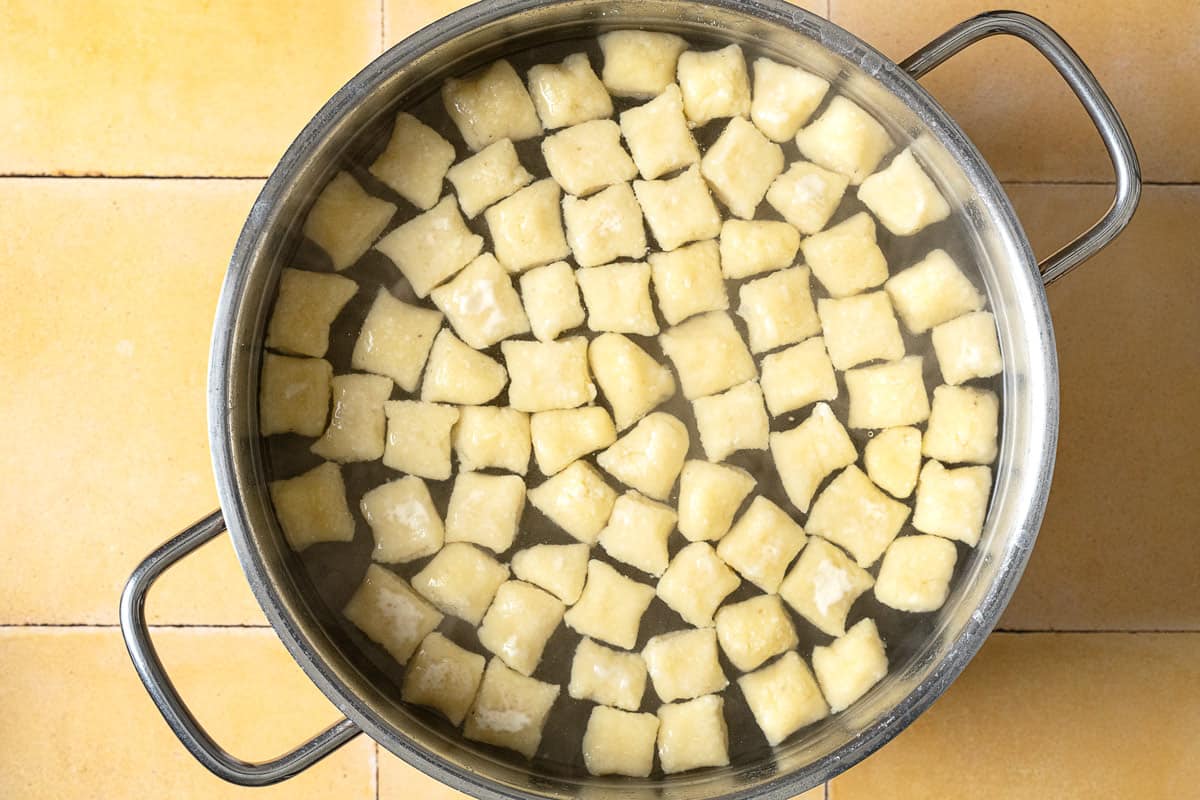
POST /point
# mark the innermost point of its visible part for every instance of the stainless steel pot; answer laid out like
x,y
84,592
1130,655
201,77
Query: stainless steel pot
x,y
990,234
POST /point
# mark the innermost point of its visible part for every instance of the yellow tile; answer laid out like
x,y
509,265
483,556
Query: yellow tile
x,y
405,17
1117,548
1064,716
402,18
399,781
111,287
126,87
1020,113
79,724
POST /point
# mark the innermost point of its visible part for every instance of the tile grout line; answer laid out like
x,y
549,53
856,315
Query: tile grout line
x,y
153,626
382,42
375,760
101,177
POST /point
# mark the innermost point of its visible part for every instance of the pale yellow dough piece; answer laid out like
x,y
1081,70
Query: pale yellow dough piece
x,y
605,226
915,574
518,624
784,697
693,734
619,742
357,426
630,379
859,329
485,510
807,195
967,348
403,521
695,583
851,665
952,503
492,436
510,710
688,281
784,98
795,377
637,532
305,307
824,585
892,459
461,580
964,425
611,606
752,247
395,340
932,291
457,373
568,93
418,438
577,500
563,435
491,104
481,304
548,375
587,157
527,228
390,613
740,166
560,569
551,300
709,354
683,664
732,421
778,309
639,63
443,676
714,84
487,177
608,677
755,630
678,210
887,395
658,135
845,139
415,161
805,454
762,544
617,297
845,258
345,221
294,395
854,513
903,197
709,497
312,507
432,246
650,456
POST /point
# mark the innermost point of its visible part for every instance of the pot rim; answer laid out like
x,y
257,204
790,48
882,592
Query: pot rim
x,y
223,439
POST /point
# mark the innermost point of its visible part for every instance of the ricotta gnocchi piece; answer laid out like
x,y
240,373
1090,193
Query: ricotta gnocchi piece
x,y
443,676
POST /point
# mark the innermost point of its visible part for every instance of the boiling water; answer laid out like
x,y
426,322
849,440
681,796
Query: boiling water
x,y
336,569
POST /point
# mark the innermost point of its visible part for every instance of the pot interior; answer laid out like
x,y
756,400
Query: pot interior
x,y
303,593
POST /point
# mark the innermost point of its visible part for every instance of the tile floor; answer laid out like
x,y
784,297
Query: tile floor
x,y
109,286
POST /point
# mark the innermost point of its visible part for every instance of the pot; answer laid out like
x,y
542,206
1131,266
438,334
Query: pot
x,y
988,233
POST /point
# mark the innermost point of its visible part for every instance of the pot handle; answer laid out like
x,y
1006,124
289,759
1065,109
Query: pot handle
x,y
150,669
1089,92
